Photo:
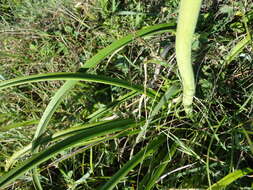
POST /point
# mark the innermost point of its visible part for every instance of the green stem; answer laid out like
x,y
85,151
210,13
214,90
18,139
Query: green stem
x,y
187,20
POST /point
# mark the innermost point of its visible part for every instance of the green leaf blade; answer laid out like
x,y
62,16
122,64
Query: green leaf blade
x,y
72,141
91,63
75,77
151,148
228,179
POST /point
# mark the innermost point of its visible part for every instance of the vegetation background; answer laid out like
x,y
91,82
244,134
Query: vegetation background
x,y
46,36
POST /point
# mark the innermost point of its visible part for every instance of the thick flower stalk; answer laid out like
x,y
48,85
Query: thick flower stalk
x,y
187,20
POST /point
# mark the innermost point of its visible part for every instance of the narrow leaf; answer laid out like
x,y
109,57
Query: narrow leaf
x,y
109,107
125,40
164,100
228,179
237,49
19,124
157,172
139,157
70,142
77,77
56,136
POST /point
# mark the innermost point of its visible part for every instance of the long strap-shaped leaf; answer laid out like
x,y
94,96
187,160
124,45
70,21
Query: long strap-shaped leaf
x,y
139,157
110,106
237,49
156,172
187,20
72,141
124,41
56,136
19,124
228,179
89,64
75,77
95,60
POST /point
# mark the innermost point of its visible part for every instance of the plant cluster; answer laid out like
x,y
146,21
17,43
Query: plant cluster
x,y
111,94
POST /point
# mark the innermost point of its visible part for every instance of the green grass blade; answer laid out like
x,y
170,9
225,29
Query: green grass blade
x,y
228,179
249,140
109,107
81,128
17,154
76,77
164,100
126,40
237,49
19,124
70,142
158,171
36,180
139,157
56,136
187,20
52,106
96,59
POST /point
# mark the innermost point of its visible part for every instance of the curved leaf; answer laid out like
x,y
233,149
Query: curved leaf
x,y
19,124
235,51
125,40
228,179
92,63
70,142
56,136
139,157
155,173
76,77
95,60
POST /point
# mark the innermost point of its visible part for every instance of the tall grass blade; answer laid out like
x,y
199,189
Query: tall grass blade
x,y
164,100
76,77
52,106
109,107
249,140
19,124
139,157
228,179
172,91
126,40
36,180
237,49
70,142
56,136
96,59
17,154
154,175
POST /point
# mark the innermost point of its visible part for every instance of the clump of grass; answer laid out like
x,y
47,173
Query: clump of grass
x,y
86,132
